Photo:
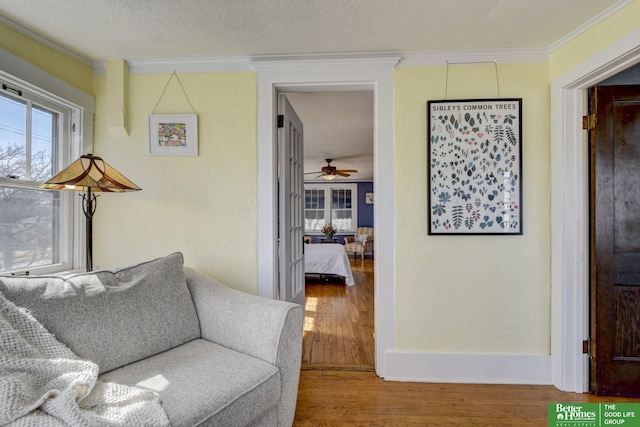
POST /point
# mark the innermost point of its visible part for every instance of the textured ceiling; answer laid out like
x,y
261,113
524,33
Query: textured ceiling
x,y
339,126
152,29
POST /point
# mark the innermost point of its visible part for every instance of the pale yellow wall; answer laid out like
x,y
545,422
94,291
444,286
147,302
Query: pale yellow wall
x,y
594,40
471,294
204,206
467,294
51,61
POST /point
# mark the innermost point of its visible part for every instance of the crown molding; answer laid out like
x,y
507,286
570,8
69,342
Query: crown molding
x,y
239,64
459,57
44,41
181,65
350,60
392,59
590,24
16,69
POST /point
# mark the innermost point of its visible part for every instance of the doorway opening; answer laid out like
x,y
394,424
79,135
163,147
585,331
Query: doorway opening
x,y
339,316
374,74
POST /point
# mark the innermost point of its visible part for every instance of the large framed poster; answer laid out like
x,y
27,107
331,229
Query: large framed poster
x,y
475,166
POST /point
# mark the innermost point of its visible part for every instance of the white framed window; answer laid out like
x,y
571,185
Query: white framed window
x,y
334,203
39,134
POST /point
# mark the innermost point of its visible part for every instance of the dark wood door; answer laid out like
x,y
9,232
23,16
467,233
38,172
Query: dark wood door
x,y
615,240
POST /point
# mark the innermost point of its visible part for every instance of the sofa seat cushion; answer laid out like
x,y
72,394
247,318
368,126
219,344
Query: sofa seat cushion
x,y
203,383
112,318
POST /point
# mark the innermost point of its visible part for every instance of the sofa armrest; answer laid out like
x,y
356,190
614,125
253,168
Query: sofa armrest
x,y
268,329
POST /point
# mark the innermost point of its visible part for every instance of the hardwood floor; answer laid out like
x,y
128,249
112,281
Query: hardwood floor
x,y
338,332
339,388
342,398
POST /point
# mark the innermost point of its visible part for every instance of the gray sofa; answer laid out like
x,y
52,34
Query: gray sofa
x,y
214,356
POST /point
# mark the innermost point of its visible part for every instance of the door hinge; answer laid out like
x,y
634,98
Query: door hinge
x,y
589,122
586,346
280,121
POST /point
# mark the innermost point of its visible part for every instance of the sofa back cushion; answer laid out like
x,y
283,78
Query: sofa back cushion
x,y
112,318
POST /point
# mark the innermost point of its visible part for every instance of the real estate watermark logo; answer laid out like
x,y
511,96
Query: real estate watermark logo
x,y
594,414
570,414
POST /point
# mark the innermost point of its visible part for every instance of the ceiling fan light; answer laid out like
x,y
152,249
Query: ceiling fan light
x,y
329,177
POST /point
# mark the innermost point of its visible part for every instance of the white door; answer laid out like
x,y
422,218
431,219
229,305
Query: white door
x,y
290,202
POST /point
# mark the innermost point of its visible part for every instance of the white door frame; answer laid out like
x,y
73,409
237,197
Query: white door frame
x,y
374,73
569,210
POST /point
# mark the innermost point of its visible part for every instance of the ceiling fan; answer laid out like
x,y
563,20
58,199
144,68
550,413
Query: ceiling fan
x,y
330,173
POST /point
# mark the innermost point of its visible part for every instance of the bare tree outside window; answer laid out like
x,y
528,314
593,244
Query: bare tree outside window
x,y
28,216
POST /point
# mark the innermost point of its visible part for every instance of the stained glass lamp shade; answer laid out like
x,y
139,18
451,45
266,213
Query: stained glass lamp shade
x,y
90,174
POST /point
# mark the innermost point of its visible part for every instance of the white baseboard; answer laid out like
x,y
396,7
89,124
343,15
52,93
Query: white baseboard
x,y
468,368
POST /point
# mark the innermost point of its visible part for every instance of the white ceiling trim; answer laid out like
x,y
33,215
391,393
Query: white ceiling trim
x,y
44,41
34,79
182,66
501,56
237,64
293,63
590,24
410,59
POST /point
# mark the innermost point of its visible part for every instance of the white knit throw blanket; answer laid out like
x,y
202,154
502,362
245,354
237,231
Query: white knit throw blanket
x,y
43,383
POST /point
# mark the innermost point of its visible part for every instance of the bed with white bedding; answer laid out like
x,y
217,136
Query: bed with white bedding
x,y
328,258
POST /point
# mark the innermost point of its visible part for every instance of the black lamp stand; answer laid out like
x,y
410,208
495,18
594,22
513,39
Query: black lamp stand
x,y
89,204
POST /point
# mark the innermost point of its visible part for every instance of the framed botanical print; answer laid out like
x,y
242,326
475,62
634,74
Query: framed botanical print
x,y
475,166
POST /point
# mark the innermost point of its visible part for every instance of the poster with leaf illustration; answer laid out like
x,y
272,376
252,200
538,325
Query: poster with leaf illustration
x,y
475,166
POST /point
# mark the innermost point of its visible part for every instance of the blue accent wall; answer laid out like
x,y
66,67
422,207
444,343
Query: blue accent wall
x,y
365,212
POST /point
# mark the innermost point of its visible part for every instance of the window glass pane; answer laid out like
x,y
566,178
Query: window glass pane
x,y
314,199
28,220
13,144
42,142
341,212
313,220
342,219
340,198
314,216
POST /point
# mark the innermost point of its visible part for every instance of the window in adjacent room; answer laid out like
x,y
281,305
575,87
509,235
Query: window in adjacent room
x,y
35,225
314,214
335,204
